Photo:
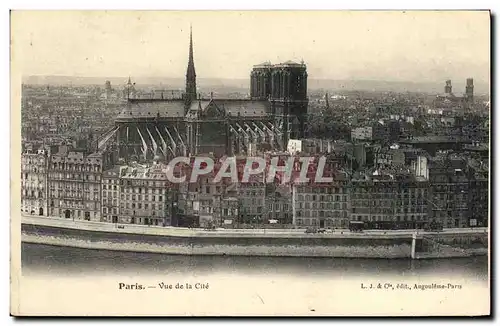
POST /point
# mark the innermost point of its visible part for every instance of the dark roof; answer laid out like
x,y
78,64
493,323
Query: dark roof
x,y
245,108
151,109
196,104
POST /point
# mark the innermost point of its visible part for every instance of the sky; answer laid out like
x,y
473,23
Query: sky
x,y
393,46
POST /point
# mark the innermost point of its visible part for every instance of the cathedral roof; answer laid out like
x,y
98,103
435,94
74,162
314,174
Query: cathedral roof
x,y
233,107
195,106
244,108
152,109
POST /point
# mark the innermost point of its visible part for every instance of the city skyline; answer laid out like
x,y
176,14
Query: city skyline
x,y
455,45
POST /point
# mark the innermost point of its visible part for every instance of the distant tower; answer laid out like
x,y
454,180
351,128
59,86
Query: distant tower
x,y
447,87
107,88
190,74
326,100
469,90
129,89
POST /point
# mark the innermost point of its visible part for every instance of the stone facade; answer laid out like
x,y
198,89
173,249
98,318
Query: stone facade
x,y
74,185
34,183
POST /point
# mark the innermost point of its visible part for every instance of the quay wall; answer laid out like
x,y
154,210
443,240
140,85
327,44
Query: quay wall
x,y
294,243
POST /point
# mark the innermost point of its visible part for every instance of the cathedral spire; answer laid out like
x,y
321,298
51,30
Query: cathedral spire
x,y
190,73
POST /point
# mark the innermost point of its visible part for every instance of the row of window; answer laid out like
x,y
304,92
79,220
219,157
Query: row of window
x,y
361,190
73,187
277,206
75,167
76,194
33,184
327,222
322,190
388,195
32,194
142,206
71,177
253,201
391,210
315,205
110,202
30,176
229,212
387,203
322,198
142,197
113,194
144,190
75,203
397,218
111,211
110,181
74,212
134,213
252,193
34,160
143,183
336,214
253,209
140,220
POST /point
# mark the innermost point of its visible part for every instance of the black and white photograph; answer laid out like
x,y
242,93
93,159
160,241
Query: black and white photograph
x,y
250,163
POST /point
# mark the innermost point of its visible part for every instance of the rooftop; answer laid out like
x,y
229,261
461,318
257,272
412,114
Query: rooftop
x,y
435,139
288,63
152,108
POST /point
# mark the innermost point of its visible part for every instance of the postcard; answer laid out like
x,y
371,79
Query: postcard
x,y
250,163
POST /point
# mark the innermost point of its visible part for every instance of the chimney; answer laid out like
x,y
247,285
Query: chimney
x,y
211,95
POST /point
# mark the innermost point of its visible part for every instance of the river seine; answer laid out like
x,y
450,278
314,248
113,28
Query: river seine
x,y
44,259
